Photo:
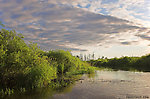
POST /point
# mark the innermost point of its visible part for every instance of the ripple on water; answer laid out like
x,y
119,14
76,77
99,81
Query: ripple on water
x,y
101,85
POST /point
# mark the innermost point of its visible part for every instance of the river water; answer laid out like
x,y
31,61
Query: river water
x,y
101,85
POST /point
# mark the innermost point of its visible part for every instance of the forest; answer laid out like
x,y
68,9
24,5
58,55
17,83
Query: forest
x,y
141,64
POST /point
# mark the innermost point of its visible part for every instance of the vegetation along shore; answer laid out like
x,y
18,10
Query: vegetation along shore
x,y
25,66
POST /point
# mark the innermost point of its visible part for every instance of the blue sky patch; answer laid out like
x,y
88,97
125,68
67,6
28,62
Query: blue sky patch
x,y
109,1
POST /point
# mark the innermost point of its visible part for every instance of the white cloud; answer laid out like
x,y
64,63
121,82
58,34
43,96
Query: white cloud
x,y
125,9
57,25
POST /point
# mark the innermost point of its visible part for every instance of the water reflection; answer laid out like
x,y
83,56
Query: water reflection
x,y
57,86
101,85
110,85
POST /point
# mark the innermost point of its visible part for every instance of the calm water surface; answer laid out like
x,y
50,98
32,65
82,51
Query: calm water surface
x,y
101,85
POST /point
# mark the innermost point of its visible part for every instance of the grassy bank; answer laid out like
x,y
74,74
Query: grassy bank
x,y
25,66
124,63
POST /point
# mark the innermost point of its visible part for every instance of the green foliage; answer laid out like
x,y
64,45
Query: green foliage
x,y
67,63
21,65
25,66
124,63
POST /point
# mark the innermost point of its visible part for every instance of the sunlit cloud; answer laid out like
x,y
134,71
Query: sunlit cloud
x,y
72,25
136,11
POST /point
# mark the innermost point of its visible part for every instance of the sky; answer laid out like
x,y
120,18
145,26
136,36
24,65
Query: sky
x,y
111,28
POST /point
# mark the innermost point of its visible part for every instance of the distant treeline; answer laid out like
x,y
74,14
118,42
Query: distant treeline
x,y
25,66
124,63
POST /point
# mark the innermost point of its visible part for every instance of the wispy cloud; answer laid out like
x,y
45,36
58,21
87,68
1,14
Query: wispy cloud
x,y
61,25
132,10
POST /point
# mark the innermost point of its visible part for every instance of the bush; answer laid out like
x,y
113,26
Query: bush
x,y
21,65
124,63
25,66
66,62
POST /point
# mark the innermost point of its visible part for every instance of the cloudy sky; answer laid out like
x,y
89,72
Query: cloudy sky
x,y
111,28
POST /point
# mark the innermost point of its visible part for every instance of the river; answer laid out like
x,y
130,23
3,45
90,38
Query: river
x,y
101,85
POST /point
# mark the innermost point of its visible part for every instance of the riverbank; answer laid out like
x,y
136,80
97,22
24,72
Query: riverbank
x,y
141,64
101,85
25,66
